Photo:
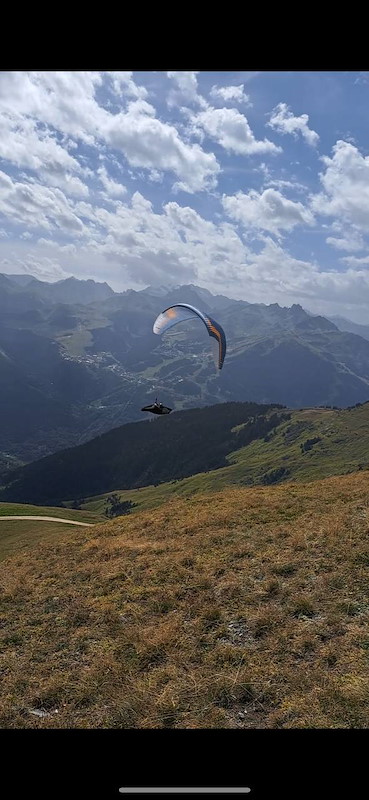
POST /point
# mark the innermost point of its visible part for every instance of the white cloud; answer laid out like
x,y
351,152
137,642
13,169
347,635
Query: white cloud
x,y
37,206
284,121
155,176
282,184
66,102
268,211
148,142
346,187
232,131
123,84
186,89
23,145
355,262
179,245
70,184
133,245
350,243
70,142
274,275
6,183
63,100
279,273
230,94
29,263
175,245
112,188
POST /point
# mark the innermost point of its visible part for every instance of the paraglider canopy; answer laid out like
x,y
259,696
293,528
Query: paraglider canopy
x,y
181,312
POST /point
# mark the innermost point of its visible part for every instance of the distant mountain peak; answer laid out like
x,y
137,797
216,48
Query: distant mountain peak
x,y
23,279
90,281
192,294
158,290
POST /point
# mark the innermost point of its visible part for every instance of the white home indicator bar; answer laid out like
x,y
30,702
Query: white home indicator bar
x,y
185,790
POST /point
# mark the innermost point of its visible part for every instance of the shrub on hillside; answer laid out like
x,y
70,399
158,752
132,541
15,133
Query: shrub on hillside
x,y
116,508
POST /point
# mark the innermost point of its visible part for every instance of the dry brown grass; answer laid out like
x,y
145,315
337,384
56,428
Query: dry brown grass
x,y
245,608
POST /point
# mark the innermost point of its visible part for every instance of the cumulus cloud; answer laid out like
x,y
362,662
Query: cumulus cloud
x,y
37,206
148,142
268,211
175,245
232,131
71,141
346,187
279,272
66,102
286,279
63,100
186,89
112,188
124,85
23,145
179,245
283,120
230,94
136,245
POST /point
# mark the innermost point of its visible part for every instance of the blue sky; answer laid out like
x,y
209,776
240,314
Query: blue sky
x,y
251,184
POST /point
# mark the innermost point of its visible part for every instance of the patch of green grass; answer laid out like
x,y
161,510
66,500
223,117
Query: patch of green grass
x,y
75,342
150,372
10,509
17,535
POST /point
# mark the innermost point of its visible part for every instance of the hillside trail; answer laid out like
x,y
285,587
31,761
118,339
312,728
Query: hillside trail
x,y
48,519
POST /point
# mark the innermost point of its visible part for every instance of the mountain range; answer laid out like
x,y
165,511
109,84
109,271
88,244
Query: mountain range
x,y
344,324
78,359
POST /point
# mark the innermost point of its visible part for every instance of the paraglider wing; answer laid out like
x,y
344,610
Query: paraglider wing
x,y
181,312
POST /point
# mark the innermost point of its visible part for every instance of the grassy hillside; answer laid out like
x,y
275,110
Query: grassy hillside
x,y
139,454
223,445
18,535
247,608
341,445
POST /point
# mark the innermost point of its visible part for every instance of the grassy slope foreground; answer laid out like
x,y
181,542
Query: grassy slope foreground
x,y
243,608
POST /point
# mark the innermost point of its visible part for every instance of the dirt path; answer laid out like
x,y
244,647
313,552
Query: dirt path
x,y
47,519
